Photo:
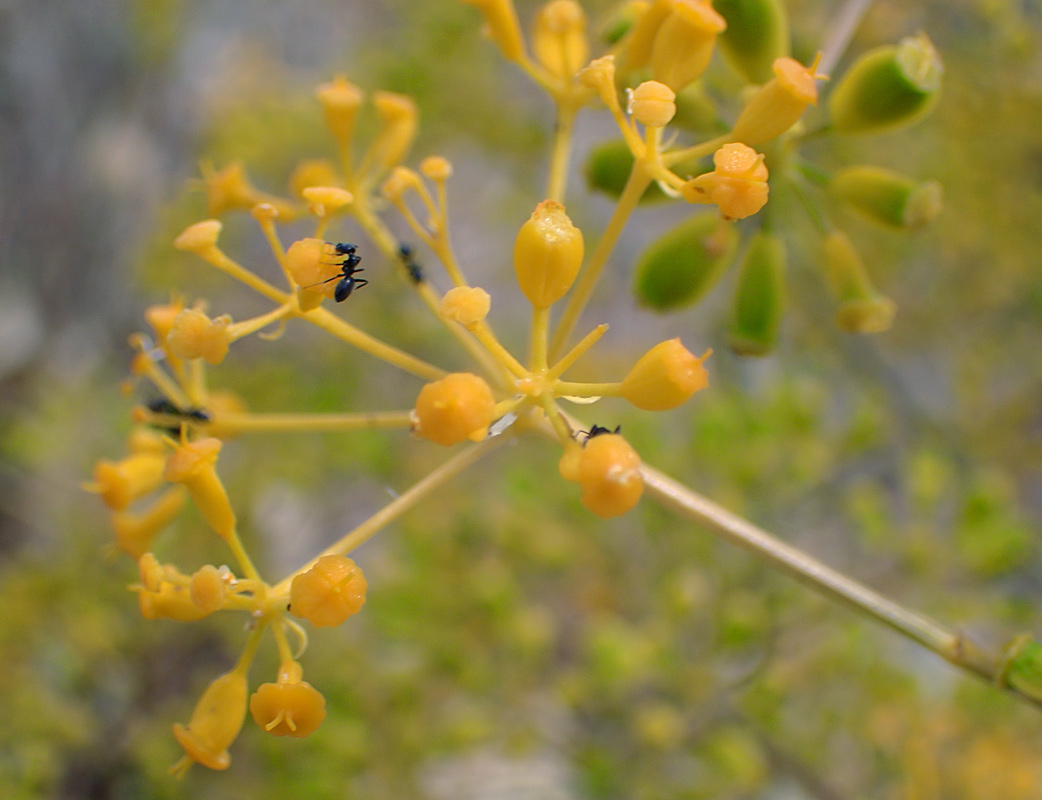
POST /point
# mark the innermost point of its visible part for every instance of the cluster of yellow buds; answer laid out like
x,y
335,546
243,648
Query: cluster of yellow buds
x,y
662,53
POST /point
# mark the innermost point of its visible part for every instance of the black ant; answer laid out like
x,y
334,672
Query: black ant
x,y
162,406
405,253
600,430
348,269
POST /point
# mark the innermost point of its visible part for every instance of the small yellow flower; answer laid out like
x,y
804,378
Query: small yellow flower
x,y
548,253
199,237
288,708
467,305
170,601
460,406
559,39
779,103
195,335
664,377
329,592
653,104
120,483
502,26
437,168
135,533
398,118
207,589
161,318
738,185
214,725
313,172
229,188
609,475
340,101
194,465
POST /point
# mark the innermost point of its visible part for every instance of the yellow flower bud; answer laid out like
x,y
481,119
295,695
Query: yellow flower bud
x,y
401,180
329,592
340,101
559,39
199,237
398,120
194,465
888,197
195,335
152,574
215,723
738,184
135,533
862,309
169,602
437,168
466,305
609,475
143,440
207,589
288,708
548,253
229,188
889,87
684,42
325,200
502,26
653,104
161,318
313,172
310,263
664,377
779,103
120,483
459,406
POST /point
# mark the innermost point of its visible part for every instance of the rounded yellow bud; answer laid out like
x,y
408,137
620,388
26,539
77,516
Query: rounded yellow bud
x,y
327,199
207,589
665,376
609,475
169,601
329,592
548,253
200,236
310,264
459,406
288,708
216,721
437,168
653,104
399,182
195,335
340,100
467,305
568,466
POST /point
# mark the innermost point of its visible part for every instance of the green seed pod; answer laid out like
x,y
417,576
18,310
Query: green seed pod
x,y
759,299
889,87
757,33
888,197
862,309
682,266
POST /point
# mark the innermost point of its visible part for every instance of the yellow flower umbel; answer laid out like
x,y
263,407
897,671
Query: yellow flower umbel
x,y
737,185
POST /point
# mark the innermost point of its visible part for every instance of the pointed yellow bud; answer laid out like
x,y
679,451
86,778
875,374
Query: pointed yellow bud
x,y
501,26
460,406
215,722
559,40
738,184
398,120
665,377
548,253
653,104
467,305
340,101
779,103
120,483
195,335
609,475
862,309
194,465
135,533
328,593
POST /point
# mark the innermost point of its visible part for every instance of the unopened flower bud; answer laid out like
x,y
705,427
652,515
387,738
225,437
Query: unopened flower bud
x,y
737,185
324,200
328,593
340,101
398,120
779,103
665,377
682,266
862,309
757,34
502,26
609,475
194,465
195,335
888,197
599,75
683,42
466,305
310,263
759,300
135,533
199,237
889,87
120,483
559,40
437,168
460,406
653,104
215,722
548,253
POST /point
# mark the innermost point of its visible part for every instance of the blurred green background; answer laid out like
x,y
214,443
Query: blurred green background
x,y
513,646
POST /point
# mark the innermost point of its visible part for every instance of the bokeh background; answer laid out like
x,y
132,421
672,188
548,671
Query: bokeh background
x,y
513,646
